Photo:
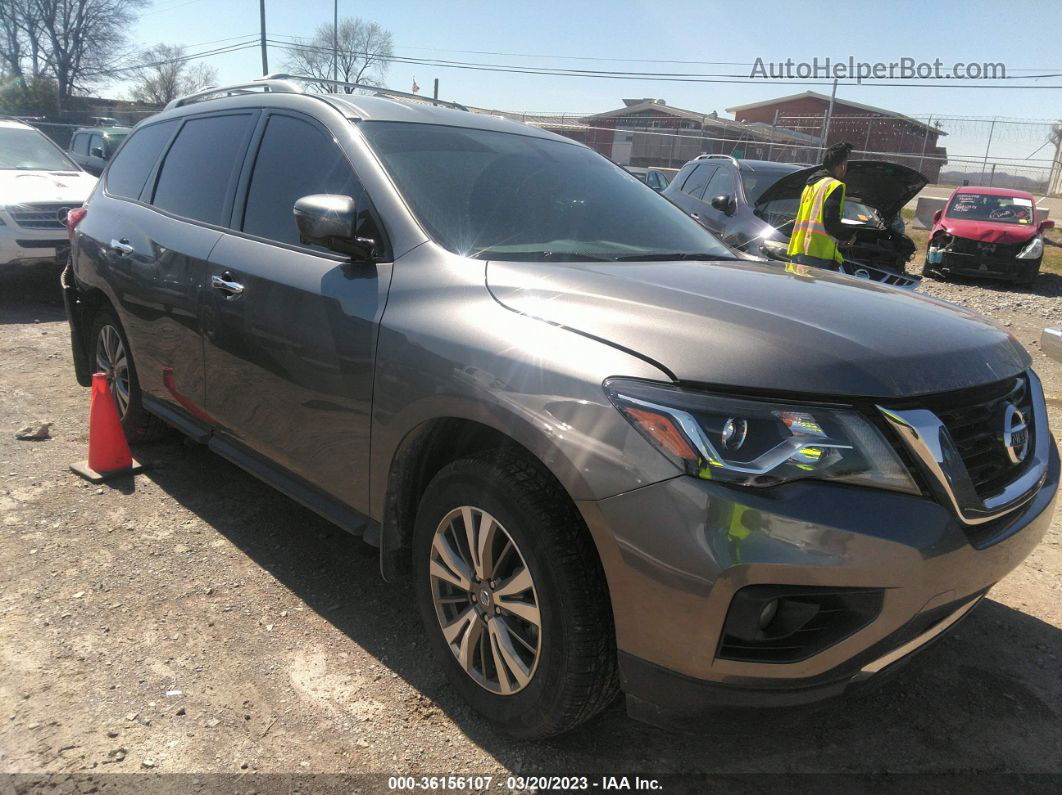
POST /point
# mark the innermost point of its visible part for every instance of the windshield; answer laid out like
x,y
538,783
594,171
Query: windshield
x,y
756,180
858,213
998,209
30,150
495,195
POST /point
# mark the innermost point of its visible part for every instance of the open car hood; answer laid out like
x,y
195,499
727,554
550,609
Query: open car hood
x,y
884,186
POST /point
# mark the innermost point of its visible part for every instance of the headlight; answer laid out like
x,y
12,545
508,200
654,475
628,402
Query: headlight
x,y
759,443
1034,250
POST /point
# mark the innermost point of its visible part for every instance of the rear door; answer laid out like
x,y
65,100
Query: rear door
x,y
290,328
690,194
153,235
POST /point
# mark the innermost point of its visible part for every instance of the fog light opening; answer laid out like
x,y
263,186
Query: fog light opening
x,y
767,614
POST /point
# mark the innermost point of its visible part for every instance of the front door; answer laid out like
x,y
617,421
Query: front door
x,y
290,329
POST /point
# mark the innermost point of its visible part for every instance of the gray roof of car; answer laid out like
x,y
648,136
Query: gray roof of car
x,y
368,108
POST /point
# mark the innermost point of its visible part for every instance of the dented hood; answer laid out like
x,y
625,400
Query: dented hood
x,y
886,187
987,231
752,326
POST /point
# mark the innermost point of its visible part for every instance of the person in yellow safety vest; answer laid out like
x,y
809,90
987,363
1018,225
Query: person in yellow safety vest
x,y
818,228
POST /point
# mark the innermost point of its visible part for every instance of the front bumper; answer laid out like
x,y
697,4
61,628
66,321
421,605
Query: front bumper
x,y
32,246
674,564
986,265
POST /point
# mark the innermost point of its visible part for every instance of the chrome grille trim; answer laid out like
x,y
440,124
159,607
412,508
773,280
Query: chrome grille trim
x,y
44,215
930,443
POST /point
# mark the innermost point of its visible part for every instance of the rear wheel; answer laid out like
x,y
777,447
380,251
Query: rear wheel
x,y
111,356
512,596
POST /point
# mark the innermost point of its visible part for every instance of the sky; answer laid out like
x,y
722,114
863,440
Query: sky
x,y
625,34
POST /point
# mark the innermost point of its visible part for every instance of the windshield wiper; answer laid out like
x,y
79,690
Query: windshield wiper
x,y
540,256
676,255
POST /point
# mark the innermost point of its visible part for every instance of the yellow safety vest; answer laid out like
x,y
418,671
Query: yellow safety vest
x,y
809,232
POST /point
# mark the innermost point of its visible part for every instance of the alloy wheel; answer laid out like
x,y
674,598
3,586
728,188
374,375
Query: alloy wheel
x,y
485,600
111,359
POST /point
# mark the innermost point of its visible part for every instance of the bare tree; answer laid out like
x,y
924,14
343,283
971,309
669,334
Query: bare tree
x,y
363,53
21,39
164,74
81,35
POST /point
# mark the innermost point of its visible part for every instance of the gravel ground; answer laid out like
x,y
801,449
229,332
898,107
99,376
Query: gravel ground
x,y
194,620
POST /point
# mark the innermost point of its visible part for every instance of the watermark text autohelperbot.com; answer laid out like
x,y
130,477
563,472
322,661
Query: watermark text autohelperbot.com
x,y
905,68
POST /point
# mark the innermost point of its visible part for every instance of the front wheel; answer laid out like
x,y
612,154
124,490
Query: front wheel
x,y
512,595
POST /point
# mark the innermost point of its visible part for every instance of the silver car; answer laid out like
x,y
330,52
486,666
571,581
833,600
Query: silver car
x,y
611,456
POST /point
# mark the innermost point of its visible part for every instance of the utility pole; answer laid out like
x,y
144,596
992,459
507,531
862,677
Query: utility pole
x,y
829,115
925,141
265,57
435,91
335,40
984,167
774,134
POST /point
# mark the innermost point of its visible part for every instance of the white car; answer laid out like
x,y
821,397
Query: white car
x,y
39,184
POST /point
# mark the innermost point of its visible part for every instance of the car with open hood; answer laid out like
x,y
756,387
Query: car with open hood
x,y
990,232
609,455
751,206
39,185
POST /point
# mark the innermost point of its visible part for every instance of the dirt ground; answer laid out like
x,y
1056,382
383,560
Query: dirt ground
x,y
194,620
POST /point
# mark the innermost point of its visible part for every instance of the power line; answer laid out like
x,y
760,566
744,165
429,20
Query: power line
x,y
629,60
678,77
190,57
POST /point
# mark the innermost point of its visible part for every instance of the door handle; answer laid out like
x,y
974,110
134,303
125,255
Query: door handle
x,y
695,216
225,284
122,247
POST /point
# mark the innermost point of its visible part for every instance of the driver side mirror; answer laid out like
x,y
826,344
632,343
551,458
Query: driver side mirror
x,y
937,216
329,220
1046,224
724,203
97,151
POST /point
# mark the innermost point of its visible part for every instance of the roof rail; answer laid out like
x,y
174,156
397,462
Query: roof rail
x,y
267,83
380,91
731,158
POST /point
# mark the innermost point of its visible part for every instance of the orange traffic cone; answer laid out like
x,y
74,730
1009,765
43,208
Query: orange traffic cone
x,y
109,454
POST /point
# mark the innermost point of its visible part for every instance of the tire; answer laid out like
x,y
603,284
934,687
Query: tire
x,y
105,354
567,662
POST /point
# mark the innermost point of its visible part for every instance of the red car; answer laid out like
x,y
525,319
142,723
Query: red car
x,y
995,232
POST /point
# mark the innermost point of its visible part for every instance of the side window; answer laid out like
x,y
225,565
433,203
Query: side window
x,y
695,182
95,142
721,184
130,168
79,146
199,168
295,159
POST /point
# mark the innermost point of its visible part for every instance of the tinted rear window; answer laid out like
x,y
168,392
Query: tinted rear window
x,y
200,166
129,170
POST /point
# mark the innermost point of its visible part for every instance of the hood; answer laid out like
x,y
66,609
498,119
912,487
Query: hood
x,y
988,231
748,326
886,187
27,187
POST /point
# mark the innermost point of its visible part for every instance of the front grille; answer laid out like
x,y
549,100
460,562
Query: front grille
x,y
975,422
961,245
47,215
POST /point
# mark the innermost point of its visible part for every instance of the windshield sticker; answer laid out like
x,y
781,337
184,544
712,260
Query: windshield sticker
x,y
1022,202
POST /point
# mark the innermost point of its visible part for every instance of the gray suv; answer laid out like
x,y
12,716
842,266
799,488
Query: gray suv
x,y
610,456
